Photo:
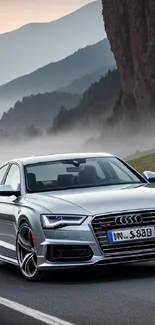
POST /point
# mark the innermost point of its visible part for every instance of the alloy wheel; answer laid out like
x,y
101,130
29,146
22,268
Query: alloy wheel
x,y
26,252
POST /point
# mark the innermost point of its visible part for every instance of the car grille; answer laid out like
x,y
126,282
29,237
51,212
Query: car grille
x,y
102,223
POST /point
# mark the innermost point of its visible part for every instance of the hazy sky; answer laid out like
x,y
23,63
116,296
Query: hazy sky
x,y
15,13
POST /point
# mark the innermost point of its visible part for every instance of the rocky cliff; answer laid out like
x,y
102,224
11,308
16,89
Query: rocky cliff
x,y
130,27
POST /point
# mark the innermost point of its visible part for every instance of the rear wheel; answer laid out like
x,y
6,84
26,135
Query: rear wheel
x,y
27,253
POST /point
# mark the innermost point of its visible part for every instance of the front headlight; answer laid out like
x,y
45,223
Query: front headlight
x,y
57,221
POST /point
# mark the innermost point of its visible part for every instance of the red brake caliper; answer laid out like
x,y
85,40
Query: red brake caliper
x,y
33,240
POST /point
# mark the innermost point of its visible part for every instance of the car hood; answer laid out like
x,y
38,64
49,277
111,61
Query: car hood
x,y
90,201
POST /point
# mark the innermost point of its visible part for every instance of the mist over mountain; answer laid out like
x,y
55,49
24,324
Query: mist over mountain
x,y
95,108
35,112
57,112
60,74
37,44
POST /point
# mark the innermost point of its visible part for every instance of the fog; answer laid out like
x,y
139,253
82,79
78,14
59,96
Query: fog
x,y
75,142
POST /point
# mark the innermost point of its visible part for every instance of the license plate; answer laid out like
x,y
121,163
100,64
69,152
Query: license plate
x,y
131,234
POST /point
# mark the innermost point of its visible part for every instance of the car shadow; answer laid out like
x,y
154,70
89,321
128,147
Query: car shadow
x,y
88,274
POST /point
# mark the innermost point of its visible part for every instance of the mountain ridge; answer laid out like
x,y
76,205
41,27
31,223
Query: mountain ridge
x,y
27,49
58,112
51,21
80,85
36,110
57,75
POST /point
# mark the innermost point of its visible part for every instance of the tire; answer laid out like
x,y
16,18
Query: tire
x,y
27,254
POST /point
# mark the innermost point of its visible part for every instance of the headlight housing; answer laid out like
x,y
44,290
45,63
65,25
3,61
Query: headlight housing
x,y
53,221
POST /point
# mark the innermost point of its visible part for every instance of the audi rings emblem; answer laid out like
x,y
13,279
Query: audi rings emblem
x,y
129,219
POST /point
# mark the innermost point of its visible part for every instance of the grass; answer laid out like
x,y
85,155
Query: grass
x,y
144,163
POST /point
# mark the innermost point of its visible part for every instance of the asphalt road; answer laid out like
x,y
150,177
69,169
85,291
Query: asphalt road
x,y
111,295
11,317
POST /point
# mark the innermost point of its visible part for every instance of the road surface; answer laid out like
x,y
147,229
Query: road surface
x,y
113,296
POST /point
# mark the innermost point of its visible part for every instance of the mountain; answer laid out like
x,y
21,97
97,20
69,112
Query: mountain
x,y
35,112
37,44
58,111
59,74
95,108
80,85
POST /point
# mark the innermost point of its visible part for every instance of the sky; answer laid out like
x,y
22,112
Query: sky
x,y
16,13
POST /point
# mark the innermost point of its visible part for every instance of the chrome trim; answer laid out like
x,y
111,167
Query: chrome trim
x,y
95,259
103,253
95,238
122,212
67,242
129,219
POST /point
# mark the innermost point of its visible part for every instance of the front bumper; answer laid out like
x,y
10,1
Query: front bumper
x,y
97,262
82,236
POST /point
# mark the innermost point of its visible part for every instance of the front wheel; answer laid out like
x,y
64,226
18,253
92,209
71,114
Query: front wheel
x,y
27,253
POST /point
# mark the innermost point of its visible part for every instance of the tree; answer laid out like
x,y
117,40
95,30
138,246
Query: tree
x,y
60,119
32,131
130,27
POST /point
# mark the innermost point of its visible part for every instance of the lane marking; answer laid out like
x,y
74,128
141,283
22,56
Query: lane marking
x,y
35,314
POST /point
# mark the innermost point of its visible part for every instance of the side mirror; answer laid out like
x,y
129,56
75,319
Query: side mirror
x,y
7,190
149,176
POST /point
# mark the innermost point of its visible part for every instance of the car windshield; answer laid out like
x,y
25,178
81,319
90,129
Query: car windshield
x,y
78,173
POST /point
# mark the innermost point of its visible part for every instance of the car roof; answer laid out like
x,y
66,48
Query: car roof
x,y
54,157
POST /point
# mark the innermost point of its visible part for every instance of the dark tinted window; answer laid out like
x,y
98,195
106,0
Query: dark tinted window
x,y
87,172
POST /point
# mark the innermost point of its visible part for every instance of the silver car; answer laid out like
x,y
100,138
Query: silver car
x,y
74,210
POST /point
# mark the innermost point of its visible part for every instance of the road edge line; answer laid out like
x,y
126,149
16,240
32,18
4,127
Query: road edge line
x,y
33,313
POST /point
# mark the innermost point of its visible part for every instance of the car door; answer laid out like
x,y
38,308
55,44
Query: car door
x,y
7,217
3,172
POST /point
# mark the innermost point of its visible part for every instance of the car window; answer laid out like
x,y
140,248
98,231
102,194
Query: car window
x,y
13,177
100,172
50,171
83,172
124,175
2,172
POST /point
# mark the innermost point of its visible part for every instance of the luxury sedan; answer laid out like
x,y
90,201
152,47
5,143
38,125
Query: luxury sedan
x,y
74,210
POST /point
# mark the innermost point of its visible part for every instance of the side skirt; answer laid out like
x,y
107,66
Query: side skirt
x,y
8,260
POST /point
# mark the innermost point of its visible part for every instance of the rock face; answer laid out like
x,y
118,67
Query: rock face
x,y
130,27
